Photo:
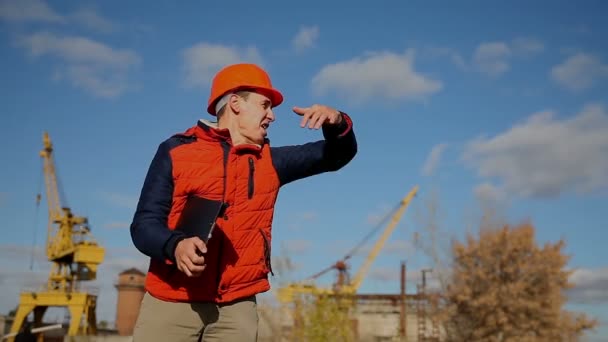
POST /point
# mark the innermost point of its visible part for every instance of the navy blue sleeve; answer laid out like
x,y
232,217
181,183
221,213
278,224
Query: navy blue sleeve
x,y
149,230
331,154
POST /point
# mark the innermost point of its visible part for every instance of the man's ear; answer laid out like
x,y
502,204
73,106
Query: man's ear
x,y
235,104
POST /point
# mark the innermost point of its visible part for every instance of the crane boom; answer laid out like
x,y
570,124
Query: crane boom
x,y
287,293
358,279
62,224
50,179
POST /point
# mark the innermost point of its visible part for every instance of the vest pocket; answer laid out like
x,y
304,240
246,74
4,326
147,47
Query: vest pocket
x,y
250,187
267,251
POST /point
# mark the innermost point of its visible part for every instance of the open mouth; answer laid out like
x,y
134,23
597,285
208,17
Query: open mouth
x,y
265,126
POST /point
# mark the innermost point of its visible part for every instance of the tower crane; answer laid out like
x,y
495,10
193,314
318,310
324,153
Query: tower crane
x,y
74,257
344,284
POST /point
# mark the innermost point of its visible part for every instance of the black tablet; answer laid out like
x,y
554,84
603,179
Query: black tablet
x,y
198,217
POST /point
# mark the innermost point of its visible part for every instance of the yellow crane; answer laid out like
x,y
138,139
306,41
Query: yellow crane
x,y
344,285
74,257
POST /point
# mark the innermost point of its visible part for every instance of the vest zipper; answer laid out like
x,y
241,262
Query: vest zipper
x,y
226,153
267,251
251,174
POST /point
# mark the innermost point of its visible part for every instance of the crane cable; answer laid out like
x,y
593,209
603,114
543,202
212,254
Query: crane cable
x,y
378,226
35,230
354,250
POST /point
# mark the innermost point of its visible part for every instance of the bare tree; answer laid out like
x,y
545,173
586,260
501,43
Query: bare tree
x,y
432,239
505,287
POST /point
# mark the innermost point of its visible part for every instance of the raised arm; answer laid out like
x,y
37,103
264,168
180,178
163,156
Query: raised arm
x,y
331,154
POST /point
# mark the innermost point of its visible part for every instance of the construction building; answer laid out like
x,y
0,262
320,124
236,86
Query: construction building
x,y
130,288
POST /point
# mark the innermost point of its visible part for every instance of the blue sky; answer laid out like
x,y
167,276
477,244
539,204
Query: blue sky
x,y
482,105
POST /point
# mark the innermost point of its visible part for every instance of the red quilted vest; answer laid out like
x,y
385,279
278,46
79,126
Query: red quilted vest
x,y
238,254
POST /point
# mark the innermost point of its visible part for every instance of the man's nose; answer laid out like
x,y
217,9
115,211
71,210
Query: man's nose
x,y
270,114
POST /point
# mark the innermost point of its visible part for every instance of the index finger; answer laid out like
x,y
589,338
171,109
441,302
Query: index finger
x,y
300,110
200,245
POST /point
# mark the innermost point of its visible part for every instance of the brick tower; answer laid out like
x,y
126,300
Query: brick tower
x,y
130,288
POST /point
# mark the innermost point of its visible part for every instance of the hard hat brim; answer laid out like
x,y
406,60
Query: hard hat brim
x,y
275,96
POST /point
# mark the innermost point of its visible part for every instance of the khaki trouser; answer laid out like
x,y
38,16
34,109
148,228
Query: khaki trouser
x,y
167,321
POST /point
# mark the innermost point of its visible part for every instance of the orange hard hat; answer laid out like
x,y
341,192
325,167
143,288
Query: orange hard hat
x,y
242,76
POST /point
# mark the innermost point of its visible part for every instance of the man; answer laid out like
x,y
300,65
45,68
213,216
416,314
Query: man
x,y
207,291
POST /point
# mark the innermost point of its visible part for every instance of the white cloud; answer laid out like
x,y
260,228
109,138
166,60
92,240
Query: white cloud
x,y
94,80
376,75
453,55
13,281
79,50
89,18
28,10
491,58
432,161
494,58
579,72
120,200
305,38
297,246
544,156
16,274
203,60
488,193
590,286
527,46
34,255
38,11
87,64
84,63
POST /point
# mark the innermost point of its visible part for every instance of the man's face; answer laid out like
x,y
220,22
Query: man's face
x,y
255,118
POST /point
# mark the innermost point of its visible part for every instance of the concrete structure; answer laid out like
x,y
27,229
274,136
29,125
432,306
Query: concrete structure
x,y
376,319
130,289
379,319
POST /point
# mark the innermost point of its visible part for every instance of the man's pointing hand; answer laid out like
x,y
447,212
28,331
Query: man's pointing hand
x,y
317,115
